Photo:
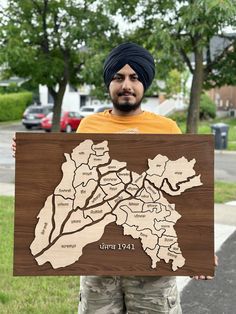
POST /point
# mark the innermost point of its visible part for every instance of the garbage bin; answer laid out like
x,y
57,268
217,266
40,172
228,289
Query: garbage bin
x,y
220,130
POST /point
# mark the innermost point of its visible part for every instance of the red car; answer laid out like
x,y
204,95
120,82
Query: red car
x,y
69,121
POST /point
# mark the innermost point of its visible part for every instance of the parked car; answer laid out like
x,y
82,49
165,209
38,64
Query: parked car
x,y
33,115
88,110
69,121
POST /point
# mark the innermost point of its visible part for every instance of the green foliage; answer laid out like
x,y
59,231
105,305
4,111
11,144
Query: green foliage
x,y
207,108
173,83
46,40
179,116
50,42
224,192
11,88
180,32
13,105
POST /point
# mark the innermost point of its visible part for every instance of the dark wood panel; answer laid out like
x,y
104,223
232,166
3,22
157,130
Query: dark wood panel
x,y
38,172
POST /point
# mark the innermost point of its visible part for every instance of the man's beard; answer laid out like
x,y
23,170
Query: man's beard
x,y
126,106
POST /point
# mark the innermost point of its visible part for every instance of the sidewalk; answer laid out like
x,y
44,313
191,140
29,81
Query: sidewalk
x,y
7,189
225,214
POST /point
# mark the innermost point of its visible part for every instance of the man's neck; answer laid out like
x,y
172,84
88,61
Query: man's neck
x,y
117,112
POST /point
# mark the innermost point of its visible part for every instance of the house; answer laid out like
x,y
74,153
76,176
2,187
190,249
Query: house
x,y
225,100
225,96
17,81
75,99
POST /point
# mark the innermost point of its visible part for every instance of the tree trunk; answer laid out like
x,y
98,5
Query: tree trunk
x,y
58,98
195,93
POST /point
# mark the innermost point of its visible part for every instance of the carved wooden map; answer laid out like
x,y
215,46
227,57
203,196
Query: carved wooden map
x,y
116,194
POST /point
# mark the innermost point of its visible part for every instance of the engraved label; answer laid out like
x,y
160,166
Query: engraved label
x,y
113,188
96,211
44,228
105,246
169,240
118,199
124,246
151,190
175,248
133,204
130,188
96,198
171,255
68,246
137,180
64,190
110,179
63,204
98,148
139,216
143,234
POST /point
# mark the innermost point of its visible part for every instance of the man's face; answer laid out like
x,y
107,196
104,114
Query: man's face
x,y
126,91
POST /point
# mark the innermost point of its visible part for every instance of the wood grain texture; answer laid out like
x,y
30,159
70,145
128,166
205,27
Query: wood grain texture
x,y
38,172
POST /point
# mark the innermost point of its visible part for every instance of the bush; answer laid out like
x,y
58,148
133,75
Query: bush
x,y
207,108
13,105
179,116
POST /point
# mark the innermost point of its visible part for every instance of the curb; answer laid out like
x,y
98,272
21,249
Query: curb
x,y
224,152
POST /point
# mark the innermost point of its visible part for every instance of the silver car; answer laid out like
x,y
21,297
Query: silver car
x,y
33,115
88,110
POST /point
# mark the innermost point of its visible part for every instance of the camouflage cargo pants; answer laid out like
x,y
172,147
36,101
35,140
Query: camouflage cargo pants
x,y
132,295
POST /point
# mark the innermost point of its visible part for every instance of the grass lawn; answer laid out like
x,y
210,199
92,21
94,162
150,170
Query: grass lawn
x,y
225,192
205,128
30,295
9,122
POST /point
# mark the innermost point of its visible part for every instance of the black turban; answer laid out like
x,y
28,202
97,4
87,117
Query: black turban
x,y
137,57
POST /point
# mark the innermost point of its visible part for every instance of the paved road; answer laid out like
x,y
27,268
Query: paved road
x,y
225,163
218,295
225,166
7,163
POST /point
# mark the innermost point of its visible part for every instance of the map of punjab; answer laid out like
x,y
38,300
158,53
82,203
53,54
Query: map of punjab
x,y
96,190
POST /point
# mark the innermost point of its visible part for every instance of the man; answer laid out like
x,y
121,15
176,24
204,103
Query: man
x,y
128,71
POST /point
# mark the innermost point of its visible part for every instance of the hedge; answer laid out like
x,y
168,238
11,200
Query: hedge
x,y
207,108
13,105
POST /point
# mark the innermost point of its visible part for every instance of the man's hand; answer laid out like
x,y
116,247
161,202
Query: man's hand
x,y
202,277
13,147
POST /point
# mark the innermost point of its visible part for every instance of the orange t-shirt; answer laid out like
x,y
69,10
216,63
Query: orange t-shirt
x,y
145,122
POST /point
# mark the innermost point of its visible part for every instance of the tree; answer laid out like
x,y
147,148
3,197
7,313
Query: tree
x,y
180,32
173,83
50,42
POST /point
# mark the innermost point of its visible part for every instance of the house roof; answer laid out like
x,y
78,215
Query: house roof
x,y
15,80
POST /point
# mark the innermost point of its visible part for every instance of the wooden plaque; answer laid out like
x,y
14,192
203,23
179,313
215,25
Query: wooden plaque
x,y
114,204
